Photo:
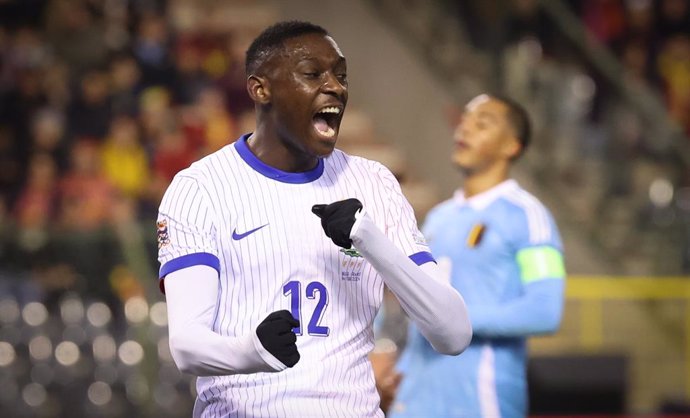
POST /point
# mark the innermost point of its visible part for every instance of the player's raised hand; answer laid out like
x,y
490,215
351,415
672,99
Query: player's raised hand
x,y
337,220
276,335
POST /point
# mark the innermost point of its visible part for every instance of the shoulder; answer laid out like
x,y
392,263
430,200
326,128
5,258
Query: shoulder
x,y
339,157
530,221
372,170
441,209
437,216
209,168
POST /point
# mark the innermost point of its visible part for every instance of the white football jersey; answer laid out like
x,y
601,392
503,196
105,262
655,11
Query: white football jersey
x,y
254,225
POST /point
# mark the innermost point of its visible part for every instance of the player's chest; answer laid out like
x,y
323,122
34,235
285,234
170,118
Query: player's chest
x,y
472,239
271,224
276,230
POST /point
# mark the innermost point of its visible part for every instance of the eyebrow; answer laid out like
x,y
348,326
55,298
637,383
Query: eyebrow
x,y
310,59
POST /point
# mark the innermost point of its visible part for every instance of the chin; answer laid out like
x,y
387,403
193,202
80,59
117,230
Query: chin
x,y
462,166
325,150
457,162
323,147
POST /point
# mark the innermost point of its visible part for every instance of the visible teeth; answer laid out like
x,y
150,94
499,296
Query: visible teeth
x,y
331,109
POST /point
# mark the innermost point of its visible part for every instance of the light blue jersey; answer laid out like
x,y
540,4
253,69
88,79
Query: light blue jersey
x,y
503,252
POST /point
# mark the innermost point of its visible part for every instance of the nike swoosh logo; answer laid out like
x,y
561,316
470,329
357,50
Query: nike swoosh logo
x,y
238,237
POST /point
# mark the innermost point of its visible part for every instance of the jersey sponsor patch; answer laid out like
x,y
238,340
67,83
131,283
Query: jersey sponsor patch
x,y
351,265
162,233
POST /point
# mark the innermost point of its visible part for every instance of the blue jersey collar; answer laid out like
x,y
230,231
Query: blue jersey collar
x,y
484,199
272,172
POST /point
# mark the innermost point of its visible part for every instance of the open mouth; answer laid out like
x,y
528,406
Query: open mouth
x,y
461,145
327,120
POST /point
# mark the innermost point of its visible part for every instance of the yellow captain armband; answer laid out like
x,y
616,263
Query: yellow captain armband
x,y
538,263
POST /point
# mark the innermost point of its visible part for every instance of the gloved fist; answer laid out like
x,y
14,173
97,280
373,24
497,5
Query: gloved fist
x,y
275,334
337,220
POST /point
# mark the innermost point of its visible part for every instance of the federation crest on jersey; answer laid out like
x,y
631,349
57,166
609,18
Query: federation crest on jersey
x,y
351,265
162,233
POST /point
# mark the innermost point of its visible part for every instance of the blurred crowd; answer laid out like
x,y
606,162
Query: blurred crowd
x,y
102,102
607,83
651,38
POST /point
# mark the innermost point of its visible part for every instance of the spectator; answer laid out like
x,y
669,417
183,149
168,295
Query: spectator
x,y
125,164
151,49
218,124
48,136
86,196
156,114
126,79
75,35
90,113
56,84
233,81
35,206
173,153
190,79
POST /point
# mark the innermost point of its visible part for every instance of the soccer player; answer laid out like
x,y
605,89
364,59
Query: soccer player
x,y
503,253
275,249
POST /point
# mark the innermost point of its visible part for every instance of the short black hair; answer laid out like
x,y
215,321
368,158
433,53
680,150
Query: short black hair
x,y
272,38
518,118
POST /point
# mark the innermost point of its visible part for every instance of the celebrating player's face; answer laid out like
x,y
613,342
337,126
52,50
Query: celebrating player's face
x,y
484,136
308,86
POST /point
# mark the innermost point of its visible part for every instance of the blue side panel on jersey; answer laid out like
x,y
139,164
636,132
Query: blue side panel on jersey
x,y
422,257
196,259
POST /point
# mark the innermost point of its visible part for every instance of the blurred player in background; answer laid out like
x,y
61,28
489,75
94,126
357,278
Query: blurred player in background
x,y
503,252
276,318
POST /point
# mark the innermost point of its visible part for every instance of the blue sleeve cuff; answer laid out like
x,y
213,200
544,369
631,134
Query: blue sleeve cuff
x,y
196,259
422,257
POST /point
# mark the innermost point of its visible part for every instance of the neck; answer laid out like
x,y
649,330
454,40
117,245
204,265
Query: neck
x,y
272,150
479,181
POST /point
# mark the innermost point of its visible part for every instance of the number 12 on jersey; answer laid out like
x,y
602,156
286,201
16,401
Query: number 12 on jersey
x,y
293,289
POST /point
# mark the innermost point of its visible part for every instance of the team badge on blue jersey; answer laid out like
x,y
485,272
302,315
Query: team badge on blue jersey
x,y
163,236
475,236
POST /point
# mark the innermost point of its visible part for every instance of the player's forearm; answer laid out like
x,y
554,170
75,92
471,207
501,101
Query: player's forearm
x,y
192,296
538,311
437,308
201,352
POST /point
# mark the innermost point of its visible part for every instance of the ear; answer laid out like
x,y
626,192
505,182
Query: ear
x,y
258,89
512,148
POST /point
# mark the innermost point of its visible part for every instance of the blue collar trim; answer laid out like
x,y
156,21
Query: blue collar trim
x,y
272,172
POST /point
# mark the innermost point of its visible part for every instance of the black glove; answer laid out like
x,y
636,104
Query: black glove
x,y
337,220
275,334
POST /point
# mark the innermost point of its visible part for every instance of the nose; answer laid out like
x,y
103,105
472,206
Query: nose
x,y
333,85
460,132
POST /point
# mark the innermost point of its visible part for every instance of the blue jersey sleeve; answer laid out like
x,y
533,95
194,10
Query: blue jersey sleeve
x,y
537,311
538,256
